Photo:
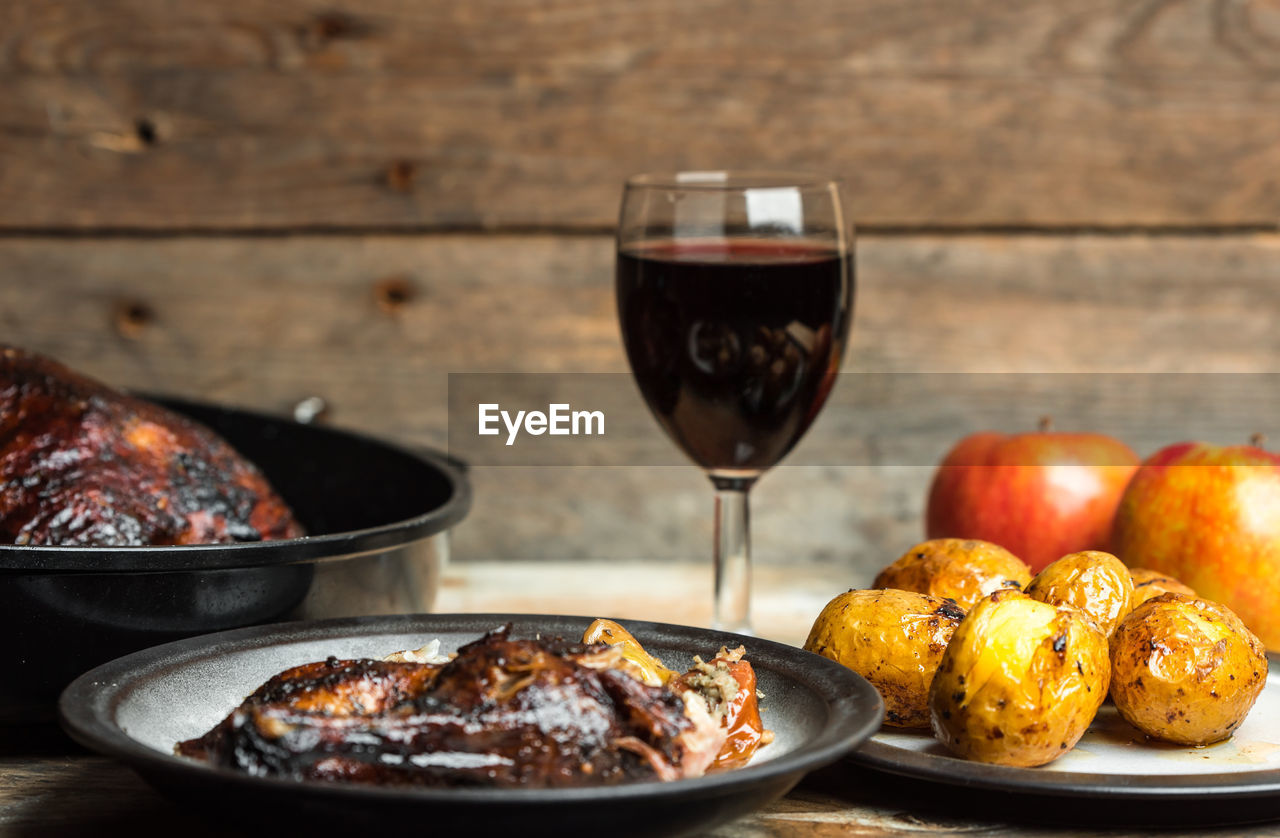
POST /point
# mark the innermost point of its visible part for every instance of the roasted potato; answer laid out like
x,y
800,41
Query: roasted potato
x,y
894,639
1149,584
1185,669
963,569
1090,581
1020,681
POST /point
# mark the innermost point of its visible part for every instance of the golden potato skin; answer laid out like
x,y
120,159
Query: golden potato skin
x,y
963,569
1020,681
892,638
1149,584
1185,669
1091,581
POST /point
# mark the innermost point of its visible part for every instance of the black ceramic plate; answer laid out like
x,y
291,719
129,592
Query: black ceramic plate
x,y
135,708
1123,775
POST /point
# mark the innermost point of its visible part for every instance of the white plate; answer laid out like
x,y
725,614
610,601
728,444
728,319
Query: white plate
x,y
1114,761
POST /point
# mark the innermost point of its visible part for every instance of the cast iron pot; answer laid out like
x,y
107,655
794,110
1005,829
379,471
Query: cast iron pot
x,y
377,517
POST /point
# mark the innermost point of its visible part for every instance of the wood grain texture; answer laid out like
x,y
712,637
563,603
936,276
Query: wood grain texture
x,y
145,114
266,322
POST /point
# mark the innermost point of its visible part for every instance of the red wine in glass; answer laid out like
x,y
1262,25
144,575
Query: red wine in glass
x,y
734,343
735,293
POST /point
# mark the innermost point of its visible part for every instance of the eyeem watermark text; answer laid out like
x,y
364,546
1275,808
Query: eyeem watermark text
x,y
559,420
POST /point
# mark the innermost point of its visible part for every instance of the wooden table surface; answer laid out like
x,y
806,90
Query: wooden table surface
x,y
48,786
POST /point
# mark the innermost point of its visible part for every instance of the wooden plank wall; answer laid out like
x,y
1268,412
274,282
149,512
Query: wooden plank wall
x,y
254,202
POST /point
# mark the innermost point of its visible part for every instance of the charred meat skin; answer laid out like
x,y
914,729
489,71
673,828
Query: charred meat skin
x,y
84,465
332,688
505,712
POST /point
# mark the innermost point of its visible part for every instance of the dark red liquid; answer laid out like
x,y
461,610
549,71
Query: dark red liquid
x,y
734,343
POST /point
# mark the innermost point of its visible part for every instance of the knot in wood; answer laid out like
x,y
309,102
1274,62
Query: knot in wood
x,y
326,27
400,176
393,293
132,317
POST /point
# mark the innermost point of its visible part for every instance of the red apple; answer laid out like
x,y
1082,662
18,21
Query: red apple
x,y
1039,495
1210,517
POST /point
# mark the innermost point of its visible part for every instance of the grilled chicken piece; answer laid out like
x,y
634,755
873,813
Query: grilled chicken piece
x,y
81,464
333,689
504,712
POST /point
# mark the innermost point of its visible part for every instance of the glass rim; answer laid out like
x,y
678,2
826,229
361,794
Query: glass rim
x,y
720,180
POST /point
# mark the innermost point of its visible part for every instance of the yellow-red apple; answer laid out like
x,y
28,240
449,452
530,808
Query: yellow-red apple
x,y
1210,516
1039,495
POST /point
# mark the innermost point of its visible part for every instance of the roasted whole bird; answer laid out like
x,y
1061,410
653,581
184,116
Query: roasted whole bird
x,y
82,464
532,712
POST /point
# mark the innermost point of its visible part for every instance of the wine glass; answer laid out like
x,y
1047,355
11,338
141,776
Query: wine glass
x,y
735,294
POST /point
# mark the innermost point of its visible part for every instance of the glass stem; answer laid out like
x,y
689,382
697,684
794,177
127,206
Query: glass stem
x,y
733,558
